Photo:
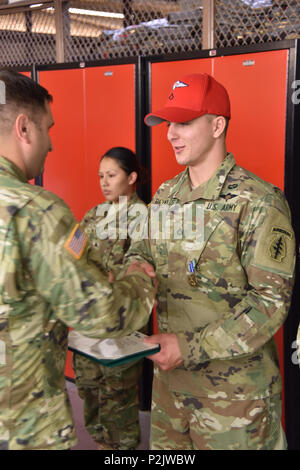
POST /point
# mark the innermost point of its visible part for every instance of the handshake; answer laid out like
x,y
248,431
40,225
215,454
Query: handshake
x,y
169,357
144,267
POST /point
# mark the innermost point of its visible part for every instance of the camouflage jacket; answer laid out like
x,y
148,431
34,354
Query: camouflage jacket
x,y
226,291
107,217
50,280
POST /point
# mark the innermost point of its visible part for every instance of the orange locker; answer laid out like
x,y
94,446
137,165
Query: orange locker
x,y
256,84
64,168
93,110
110,118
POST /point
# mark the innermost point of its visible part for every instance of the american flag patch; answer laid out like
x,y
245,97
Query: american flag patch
x,y
76,242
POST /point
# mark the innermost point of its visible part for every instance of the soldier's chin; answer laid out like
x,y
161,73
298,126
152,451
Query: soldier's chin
x,y
111,198
180,160
34,174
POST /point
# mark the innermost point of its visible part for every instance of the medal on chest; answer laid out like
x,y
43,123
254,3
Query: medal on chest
x,y
192,279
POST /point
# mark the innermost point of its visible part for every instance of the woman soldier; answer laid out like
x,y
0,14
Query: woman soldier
x,y
110,396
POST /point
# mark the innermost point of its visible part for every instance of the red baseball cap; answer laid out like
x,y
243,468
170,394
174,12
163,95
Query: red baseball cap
x,y
192,96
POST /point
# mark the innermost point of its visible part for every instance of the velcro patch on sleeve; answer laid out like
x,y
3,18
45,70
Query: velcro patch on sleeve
x,y
275,248
76,242
278,243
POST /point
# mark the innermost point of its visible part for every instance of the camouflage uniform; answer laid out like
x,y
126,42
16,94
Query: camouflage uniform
x,y
109,394
225,298
50,281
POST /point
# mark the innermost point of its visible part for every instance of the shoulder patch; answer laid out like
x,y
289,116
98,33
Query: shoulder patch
x,y
277,247
76,242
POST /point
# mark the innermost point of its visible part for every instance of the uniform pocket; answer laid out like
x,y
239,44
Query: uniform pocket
x,y
217,253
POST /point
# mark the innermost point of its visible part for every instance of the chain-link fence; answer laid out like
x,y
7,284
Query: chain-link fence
x,y
27,38
140,27
104,29
240,23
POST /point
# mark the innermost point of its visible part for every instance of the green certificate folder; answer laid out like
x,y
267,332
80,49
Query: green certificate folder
x,y
112,352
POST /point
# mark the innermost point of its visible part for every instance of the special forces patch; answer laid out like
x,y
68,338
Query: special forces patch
x,y
277,247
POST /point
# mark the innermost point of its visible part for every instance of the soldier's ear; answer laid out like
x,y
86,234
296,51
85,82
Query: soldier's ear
x,y
22,128
132,178
219,126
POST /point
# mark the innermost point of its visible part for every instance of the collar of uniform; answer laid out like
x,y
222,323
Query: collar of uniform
x,y
6,166
134,198
209,190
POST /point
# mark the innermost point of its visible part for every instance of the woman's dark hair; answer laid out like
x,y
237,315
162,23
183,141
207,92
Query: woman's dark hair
x,y
128,161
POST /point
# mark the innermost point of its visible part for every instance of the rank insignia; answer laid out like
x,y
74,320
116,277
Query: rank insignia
x,y
228,196
277,247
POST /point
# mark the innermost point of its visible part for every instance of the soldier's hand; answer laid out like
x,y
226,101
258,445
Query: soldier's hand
x,y
145,267
169,357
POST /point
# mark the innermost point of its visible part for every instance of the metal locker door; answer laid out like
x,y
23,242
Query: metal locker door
x,y
110,118
64,169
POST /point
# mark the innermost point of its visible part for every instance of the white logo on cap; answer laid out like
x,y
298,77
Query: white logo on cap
x,y
179,84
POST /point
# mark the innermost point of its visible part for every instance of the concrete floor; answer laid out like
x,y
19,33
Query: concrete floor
x,y
85,442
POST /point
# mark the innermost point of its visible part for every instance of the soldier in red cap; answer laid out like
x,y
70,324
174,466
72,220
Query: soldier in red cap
x,y
224,289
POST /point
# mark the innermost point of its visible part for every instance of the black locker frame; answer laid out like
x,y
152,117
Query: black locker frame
x,y
291,189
